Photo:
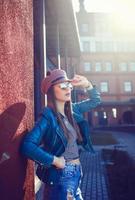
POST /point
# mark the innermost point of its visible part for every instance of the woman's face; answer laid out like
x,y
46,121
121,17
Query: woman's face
x,y
62,91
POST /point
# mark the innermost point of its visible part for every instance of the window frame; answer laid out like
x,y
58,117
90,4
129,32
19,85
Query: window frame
x,y
121,67
85,63
127,91
107,84
100,70
84,27
86,46
109,66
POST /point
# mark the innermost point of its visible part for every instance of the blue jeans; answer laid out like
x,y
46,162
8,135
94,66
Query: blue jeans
x,y
68,187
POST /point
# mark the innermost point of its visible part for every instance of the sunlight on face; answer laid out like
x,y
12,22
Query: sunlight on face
x,y
62,95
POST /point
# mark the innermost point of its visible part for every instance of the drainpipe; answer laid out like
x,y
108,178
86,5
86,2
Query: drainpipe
x,y
44,44
58,46
66,58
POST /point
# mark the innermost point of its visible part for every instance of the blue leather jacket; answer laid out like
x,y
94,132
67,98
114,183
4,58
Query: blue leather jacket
x,y
47,139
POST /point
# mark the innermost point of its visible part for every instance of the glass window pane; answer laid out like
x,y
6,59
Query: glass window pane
x,y
127,86
108,46
104,115
86,46
104,86
84,28
108,66
87,66
132,66
114,112
99,47
123,67
98,67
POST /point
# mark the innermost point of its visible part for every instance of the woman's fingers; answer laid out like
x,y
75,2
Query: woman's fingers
x,y
80,81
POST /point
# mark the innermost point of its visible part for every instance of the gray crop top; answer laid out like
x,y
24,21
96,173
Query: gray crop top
x,y
71,151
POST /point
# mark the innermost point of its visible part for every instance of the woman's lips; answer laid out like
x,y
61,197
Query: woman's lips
x,y
68,94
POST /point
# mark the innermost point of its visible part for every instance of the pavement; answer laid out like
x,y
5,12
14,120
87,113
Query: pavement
x,y
94,182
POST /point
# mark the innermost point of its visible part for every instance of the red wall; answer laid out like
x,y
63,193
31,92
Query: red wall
x,y
16,96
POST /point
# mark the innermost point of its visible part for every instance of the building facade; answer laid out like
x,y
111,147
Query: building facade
x,y
108,60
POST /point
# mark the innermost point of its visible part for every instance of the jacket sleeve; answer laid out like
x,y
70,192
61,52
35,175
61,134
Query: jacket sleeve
x,y
30,146
88,104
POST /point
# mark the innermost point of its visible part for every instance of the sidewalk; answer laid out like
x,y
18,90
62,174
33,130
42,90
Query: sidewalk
x,y
94,181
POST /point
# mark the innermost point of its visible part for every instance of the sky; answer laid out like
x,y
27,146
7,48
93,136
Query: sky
x,y
121,6
124,10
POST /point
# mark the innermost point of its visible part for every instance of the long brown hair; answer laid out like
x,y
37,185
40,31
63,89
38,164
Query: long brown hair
x,y
68,112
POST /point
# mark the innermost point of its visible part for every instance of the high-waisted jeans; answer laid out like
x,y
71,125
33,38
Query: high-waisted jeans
x,y
68,186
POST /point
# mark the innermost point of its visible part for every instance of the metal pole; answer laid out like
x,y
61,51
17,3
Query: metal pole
x,y
44,45
58,46
66,57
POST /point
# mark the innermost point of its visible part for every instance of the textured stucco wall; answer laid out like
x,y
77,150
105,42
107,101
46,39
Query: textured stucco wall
x,y
16,96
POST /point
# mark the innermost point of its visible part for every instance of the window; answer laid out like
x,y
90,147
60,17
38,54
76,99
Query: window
x,y
114,112
108,66
104,87
132,66
86,46
131,46
127,86
96,114
108,46
98,67
104,115
123,67
84,28
87,66
99,47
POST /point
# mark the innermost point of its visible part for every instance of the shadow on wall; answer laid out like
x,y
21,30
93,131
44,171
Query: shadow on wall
x,y
12,171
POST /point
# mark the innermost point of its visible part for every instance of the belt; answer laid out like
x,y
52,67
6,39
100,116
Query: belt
x,y
75,161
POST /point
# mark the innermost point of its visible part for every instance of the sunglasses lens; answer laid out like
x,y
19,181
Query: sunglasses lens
x,y
70,86
66,85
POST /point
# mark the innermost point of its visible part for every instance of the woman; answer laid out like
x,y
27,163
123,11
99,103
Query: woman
x,y
53,142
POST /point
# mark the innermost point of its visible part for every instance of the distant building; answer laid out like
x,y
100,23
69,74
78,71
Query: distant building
x,y
108,60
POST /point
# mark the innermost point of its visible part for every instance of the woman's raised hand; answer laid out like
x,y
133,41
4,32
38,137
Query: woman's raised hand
x,y
81,81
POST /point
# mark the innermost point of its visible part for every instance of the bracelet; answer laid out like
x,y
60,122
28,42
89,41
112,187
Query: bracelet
x,y
89,86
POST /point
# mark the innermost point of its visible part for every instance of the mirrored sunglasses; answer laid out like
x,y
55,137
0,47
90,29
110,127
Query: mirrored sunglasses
x,y
65,85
